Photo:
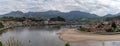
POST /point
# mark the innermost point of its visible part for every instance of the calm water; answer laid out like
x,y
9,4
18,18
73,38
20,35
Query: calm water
x,y
45,36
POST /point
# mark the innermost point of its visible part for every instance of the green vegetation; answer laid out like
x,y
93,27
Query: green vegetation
x,y
18,19
67,44
101,25
109,30
11,19
1,44
86,20
1,25
113,28
57,19
113,25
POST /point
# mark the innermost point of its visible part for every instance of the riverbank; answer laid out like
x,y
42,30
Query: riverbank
x,y
73,35
4,28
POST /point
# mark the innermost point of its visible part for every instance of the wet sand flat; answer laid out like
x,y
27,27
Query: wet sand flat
x,y
73,35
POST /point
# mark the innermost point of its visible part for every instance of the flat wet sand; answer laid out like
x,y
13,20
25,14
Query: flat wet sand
x,y
73,35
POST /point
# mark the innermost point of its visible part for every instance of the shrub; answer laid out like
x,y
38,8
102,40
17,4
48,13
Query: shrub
x,y
1,25
109,30
88,30
67,44
113,25
1,44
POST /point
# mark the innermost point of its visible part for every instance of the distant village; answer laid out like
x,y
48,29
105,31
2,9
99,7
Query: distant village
x,y
105,26
30,22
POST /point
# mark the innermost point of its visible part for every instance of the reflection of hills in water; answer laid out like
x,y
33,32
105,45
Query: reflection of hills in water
x,y
52,27
48,27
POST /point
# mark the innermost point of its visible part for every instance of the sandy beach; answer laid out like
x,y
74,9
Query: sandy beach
x,y
73,35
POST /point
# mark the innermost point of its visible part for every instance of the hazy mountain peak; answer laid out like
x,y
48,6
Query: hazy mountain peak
x,y
16,12
51,14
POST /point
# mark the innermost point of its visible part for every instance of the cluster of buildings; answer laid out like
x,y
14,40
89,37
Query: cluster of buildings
x,y
30,22
100,27
17,23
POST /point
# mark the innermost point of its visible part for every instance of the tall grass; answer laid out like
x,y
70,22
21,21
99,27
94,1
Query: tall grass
x,y
13,42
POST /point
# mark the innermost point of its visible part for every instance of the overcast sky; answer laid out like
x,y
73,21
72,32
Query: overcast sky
x,y
98,7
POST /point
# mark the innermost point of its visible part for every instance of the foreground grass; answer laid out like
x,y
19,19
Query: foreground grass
x,y
13,42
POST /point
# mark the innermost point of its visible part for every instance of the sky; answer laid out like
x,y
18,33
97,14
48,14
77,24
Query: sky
x,y
98,7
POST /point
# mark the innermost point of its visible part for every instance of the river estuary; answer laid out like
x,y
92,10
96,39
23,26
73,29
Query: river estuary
x,y
45,36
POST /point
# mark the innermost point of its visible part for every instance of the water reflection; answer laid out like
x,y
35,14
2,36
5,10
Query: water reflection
x,y
50,28
33,36
45,36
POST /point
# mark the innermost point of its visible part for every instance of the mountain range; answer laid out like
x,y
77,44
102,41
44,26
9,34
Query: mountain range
x,y
112,17
50,14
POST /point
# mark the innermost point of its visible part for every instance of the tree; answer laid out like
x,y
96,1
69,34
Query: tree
x,y
101,25
1,25
57,19
113,25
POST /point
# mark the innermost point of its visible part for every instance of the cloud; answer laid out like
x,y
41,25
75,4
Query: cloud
x,y
98,7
